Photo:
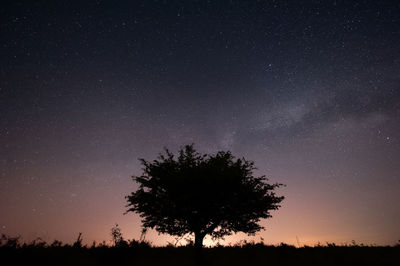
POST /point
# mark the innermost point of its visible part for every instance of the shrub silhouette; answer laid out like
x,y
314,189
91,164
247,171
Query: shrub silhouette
x,y
13,251
78,241
198,194
117,237
9,242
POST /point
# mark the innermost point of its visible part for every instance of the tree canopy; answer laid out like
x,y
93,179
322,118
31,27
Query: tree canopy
x,y
202,194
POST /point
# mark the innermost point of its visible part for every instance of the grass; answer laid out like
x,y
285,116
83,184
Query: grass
x,y
12,252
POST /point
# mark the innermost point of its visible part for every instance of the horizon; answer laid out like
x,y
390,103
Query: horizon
x,y
308,90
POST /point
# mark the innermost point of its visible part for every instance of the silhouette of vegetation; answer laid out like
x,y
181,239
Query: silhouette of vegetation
x,y
78,242
202,194
117,237
14,252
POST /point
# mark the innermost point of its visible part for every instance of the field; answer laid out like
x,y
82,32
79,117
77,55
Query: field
x,y
137,253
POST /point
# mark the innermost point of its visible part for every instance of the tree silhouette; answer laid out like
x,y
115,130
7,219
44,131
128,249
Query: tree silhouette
x,y
191,193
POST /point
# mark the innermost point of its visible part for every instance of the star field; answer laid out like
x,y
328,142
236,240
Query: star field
x,y
309,90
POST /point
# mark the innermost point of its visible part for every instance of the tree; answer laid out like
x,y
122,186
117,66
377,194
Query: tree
x,y
191,193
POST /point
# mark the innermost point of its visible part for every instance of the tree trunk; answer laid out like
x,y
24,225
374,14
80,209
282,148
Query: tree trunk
x,y
198,245
198,240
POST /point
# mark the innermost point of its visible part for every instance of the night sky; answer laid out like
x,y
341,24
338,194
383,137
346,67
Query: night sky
x,y
309,90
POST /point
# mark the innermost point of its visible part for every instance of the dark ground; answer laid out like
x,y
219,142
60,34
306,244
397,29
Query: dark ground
x,y
245,255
